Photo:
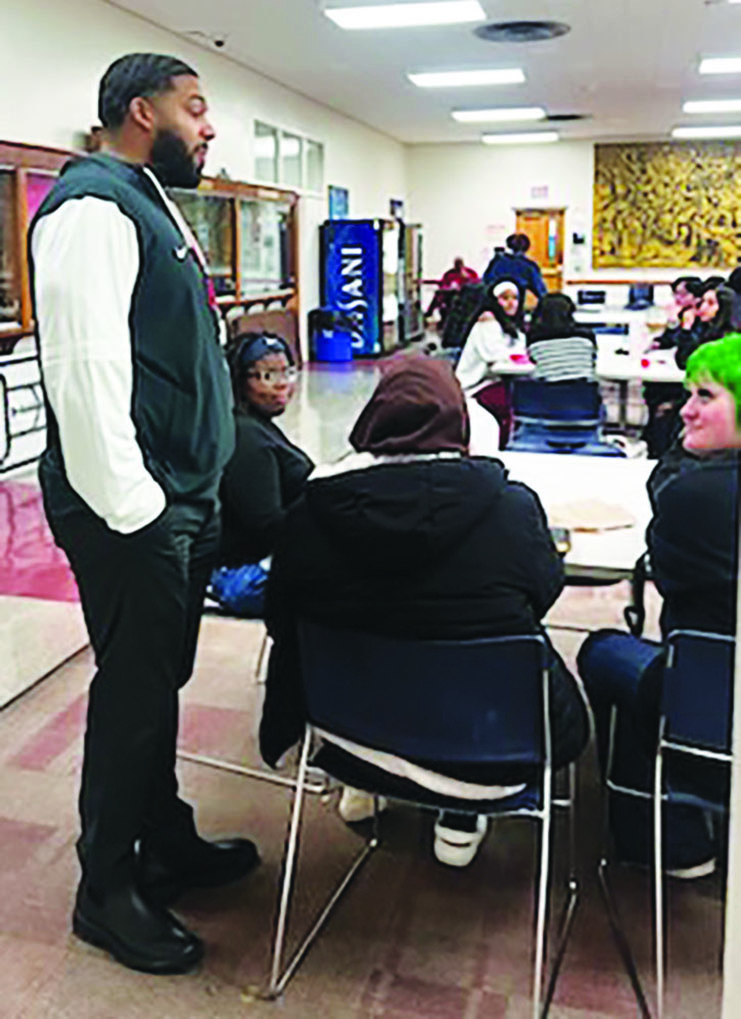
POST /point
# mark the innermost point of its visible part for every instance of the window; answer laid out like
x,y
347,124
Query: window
x,y
291,160
266,152
314,166
288,159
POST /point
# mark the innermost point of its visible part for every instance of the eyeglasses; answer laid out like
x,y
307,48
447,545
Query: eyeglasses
x,y
271,376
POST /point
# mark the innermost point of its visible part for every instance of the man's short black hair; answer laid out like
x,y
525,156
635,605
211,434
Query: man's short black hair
x,y
518,243
136,74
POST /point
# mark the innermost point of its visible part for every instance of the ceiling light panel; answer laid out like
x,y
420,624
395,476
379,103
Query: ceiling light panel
x,y
712,105
523,138
499,114
720,131
464,79
406,15
720,65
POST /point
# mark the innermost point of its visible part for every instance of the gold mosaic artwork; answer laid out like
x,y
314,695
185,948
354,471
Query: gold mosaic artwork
x,y
667,205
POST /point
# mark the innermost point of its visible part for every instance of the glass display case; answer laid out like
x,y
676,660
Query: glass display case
x,y
10,291
265,239
248,234
210,217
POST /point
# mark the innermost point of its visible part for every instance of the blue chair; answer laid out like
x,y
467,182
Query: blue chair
x,y
454,702
695,720
558,417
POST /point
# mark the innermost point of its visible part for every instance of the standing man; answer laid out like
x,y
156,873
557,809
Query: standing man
x,y
514,264
139,430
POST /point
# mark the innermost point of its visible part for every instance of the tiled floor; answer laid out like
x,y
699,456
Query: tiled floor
x,y
412,940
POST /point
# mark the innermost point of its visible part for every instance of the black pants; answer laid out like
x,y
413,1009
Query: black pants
x,y
142,596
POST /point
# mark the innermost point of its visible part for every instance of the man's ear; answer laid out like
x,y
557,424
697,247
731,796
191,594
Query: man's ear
x,y
141,112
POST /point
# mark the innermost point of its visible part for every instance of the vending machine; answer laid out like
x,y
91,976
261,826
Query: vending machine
x,y
360,278
412,320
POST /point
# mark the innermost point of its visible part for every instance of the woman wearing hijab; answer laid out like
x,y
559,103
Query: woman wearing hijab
x,y
265,475
409,536
559,348
511,301
476,370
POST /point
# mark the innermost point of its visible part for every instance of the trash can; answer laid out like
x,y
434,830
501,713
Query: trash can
x,y
331,335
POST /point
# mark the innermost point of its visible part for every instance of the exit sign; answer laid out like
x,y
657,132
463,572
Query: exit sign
x,y
539,191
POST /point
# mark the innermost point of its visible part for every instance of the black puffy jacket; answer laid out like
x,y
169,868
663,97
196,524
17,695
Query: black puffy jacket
x,y
433,547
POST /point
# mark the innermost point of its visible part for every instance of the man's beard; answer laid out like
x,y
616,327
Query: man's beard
x,y
174,165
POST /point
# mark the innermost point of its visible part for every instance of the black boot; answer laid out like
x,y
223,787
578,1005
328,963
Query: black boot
x,y
136,932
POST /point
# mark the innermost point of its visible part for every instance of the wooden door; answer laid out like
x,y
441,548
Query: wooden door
x,y
544,227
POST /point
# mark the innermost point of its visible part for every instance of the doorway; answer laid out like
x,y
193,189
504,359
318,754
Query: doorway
x,y
544,227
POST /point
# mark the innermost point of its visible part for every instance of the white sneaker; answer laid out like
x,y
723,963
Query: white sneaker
x,y
458,848
699,870
356,805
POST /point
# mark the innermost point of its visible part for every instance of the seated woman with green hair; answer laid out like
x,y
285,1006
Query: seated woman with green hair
x,y
693,545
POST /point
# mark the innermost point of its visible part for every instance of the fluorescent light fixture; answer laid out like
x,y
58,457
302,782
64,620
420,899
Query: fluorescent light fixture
x,y
720,65
712,105
462,79
726,131
525,138
436,12
500,113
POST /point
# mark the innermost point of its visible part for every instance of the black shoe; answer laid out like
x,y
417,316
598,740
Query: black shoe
x,y
137,933
201,865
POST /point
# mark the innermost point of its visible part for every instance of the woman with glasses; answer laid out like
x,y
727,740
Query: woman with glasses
x,y
266,473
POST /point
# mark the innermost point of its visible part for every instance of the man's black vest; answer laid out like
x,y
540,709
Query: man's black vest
x,y
181,402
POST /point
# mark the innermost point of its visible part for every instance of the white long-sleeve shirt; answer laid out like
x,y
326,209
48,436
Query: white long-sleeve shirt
x,y
86,263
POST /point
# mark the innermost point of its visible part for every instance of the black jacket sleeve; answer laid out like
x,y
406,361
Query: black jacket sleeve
x,y
538,568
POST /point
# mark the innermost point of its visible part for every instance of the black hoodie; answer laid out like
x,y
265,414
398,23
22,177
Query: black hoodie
x,y
440,546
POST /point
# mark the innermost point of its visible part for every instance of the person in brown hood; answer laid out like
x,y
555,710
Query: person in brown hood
x,y
409,536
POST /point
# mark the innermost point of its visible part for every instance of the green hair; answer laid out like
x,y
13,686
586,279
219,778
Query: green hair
x,y
720,361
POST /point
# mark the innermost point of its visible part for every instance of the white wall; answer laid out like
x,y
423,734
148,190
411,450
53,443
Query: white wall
x,y
53,54
465,195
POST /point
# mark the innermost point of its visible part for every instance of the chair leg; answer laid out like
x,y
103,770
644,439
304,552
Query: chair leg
x,y
261,656
659,884
319,786
278,980
572,897
542,900
620,938
613,916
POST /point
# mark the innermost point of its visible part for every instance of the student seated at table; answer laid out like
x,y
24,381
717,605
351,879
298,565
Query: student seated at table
x,y
707,320
686,294
265,475
409,536
693,547
559,347
714,317
512,302
475,369
734,285
663,399
451,281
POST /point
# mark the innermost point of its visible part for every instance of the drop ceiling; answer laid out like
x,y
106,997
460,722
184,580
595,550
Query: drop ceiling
x,y
626,65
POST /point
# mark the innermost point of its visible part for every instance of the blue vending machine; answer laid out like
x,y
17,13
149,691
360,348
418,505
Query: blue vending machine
x,y
360,279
